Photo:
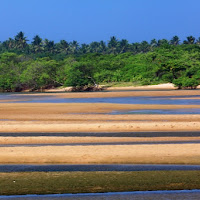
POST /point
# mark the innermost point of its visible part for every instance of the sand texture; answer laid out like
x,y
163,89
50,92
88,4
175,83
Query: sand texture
x,y
97,118
159,154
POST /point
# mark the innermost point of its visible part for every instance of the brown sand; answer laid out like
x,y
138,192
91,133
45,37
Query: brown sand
x,y
71,117
22,126
40,117
166,153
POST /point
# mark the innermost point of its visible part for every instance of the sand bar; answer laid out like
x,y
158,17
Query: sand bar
x,y
151,154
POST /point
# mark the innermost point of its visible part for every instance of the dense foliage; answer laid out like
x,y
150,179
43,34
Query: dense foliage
x,y
44,64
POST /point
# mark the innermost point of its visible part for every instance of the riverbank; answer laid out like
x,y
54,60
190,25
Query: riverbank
x,y
92,182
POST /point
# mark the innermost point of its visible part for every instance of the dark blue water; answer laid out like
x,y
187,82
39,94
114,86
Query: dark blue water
x,y
153,195
94,168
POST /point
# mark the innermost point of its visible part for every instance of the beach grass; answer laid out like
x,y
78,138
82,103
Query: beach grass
x,y
19,183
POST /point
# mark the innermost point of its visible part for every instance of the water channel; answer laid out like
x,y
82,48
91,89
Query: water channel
x,y
152,195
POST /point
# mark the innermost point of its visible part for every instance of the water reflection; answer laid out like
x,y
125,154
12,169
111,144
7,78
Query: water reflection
x,y
169,100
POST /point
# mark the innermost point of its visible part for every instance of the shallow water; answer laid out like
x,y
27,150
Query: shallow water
x,y
154,195
107,134
188,111
169,100
101,143
93,168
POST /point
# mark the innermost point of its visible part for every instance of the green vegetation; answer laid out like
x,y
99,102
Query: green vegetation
x,y
89,182
45,64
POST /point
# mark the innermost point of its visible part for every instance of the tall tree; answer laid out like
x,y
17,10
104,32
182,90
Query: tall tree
x,y
64,47
103,47
20,41
144,46
37,44
162,42
190,40
8,44
49,46
94,47
74,46
112,45
85,48
175,40
123,46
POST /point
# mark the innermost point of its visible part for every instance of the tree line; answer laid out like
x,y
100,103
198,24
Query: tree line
x,y
19,44
44,64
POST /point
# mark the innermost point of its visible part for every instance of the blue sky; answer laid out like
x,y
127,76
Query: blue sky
x,y
95,20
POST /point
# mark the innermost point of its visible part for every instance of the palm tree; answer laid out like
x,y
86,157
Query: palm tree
x,y
135,47
112,45
190,40
123,46
94,47
9,44
175,40
162,42
103,47
64,47
37,44
49,46
85,48
20,40
74,46
144,46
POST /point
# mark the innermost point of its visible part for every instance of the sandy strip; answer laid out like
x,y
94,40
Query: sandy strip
x,y
165,154
80,108
165,86
19,116
97,127
61,140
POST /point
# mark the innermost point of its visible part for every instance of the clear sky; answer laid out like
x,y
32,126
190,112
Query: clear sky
x,y
95,20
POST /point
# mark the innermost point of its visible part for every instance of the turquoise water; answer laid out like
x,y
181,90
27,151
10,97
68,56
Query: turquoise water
x,y
157,195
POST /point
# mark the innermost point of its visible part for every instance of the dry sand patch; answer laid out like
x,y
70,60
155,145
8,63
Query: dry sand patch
x,y
46,126
156,154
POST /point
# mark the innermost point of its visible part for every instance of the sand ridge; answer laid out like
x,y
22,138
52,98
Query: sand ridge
x,y
157,154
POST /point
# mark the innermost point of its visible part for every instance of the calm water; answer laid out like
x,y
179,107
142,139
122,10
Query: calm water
x,y
169,100
159,195
91,167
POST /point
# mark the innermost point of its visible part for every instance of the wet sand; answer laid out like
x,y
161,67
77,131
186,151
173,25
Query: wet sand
x,y
89,140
